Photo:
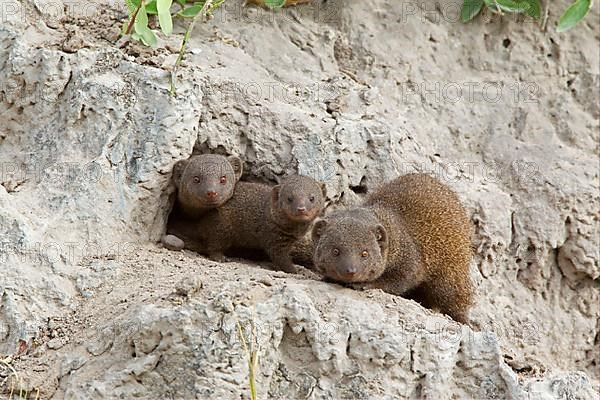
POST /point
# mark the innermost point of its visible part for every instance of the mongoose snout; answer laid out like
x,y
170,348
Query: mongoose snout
x,y
212,195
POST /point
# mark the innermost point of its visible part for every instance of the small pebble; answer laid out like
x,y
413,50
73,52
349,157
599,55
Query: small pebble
x,y
188,286
172,242
267,281
55,344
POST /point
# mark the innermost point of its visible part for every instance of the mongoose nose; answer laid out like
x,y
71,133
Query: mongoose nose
x,y
301,210
349,270
211,194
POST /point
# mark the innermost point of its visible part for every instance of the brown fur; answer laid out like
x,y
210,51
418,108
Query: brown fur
x,y
417,239
203,182
262,217
302,252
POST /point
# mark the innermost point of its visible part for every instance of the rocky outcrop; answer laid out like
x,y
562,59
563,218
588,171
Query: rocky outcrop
x,y
173,325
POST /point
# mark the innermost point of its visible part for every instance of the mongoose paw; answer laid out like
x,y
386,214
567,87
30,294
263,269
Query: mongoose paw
x,y
461,317
358,286
290,269
172,242
309,274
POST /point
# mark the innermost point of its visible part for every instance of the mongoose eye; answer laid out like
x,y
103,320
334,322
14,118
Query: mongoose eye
x,y
196,179
223,180
290,199
312,199
336,252
364,254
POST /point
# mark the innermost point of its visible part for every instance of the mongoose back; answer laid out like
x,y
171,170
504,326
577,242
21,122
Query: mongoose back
x,y
412,238
203,182
262,217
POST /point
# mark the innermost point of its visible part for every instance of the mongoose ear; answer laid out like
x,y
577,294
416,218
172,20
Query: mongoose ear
x,y
275,194
318,229
238,168
324,190
178,169
381,236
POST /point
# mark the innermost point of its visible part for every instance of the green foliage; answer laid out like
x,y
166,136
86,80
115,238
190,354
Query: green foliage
x,y
470,9
190,12
275,4
533,8
142,31
139,29
510,6
139,10
163,7
573,15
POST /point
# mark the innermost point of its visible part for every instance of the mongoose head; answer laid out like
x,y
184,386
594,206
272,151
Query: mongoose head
x,y
299,198
207,180
350,246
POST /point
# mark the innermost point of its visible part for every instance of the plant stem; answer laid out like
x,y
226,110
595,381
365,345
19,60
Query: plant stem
x,y
545,17
133,17
251,366
186,37
251,354
498,7
252,362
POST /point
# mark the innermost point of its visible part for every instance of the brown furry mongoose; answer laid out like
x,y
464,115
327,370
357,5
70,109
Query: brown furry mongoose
x,y
203,182
262,217
411,238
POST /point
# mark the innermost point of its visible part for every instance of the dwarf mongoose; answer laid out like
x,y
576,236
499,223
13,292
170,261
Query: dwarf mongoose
x,y
203,182
262,217
411,237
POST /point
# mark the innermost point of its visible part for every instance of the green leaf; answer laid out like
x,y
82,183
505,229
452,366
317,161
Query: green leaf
x,y
535,9
470,9
274,3
513,6
192,11
151,7
491,5
164,16
141,21
148,38
132,5
508,5
573,15
142,31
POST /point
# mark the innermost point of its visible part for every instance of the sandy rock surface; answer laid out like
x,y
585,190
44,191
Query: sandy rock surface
x,y
349,92
170,325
